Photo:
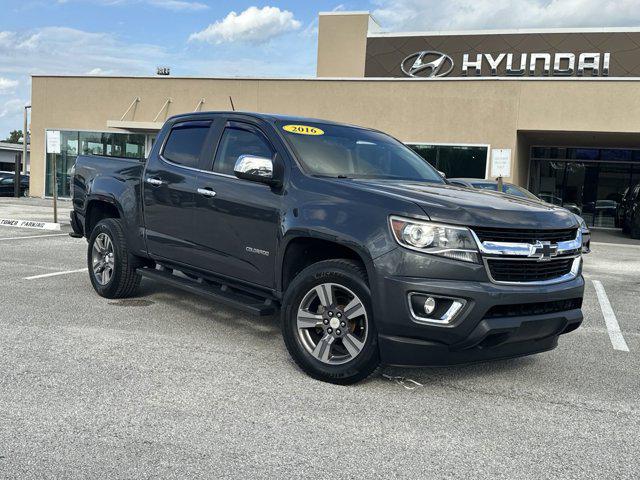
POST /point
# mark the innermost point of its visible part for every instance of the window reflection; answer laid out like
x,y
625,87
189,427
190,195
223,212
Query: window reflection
x,y
592,185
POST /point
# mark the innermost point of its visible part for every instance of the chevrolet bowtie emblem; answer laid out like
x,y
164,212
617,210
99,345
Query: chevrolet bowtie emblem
x,y
543,251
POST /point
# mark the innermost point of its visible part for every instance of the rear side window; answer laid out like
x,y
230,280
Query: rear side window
x,y
185,143
236,142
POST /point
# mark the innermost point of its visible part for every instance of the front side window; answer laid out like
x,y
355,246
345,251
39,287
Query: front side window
x,y
236,142
351,152
185,143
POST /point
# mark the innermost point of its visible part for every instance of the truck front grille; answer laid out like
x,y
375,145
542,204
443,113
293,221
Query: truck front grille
x,y
524,236
510,270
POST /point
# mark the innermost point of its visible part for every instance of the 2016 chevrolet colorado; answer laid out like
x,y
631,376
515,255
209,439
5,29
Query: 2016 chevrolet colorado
x,y
369,254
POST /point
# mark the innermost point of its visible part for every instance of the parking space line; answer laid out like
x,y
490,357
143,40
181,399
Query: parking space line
x,y
607,244
613,328
55,274
37,236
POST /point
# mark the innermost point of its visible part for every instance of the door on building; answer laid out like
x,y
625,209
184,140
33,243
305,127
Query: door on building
x,y
586,181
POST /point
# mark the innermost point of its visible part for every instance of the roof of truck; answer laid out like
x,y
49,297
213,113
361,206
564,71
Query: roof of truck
x,y
268,117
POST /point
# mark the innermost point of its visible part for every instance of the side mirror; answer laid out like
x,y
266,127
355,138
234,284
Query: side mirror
x,y
442,174
255,169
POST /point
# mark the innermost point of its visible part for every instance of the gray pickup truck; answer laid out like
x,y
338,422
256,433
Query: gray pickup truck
x,y
369,255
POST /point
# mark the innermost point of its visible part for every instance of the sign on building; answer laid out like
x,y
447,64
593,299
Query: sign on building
x,y
500,162
53,141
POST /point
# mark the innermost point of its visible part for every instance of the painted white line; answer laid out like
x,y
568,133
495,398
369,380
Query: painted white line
x,y
615,334
37,236
9,222
607,244
55,274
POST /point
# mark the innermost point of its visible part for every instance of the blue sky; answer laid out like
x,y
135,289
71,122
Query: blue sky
x,y
233,38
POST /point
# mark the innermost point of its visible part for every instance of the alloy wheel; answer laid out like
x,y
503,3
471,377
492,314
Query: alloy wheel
x,y
332,323
103,259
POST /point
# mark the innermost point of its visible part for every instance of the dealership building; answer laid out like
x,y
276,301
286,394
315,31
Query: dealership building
x,y
555,111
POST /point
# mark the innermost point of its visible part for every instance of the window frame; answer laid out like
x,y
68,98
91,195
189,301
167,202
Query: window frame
x,y
236,125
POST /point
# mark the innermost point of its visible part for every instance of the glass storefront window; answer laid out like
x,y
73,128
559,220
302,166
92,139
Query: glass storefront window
x,y
65,160
453,160
587,181
89,143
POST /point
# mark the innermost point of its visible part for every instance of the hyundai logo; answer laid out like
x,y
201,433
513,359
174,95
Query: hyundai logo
x,y
427,64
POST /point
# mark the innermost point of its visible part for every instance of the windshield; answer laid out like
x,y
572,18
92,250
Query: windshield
x,y
519,191
507,188
350,152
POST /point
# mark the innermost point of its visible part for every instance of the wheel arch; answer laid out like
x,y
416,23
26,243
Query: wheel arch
x,y
98,209
303,250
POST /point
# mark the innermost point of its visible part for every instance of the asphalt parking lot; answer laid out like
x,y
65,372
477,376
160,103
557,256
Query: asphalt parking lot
x,y
172,385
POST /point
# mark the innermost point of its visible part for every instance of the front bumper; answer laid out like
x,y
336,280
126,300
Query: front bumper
x,y
497,321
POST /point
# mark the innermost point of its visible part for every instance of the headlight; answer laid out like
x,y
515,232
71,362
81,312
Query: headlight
x,y
435,238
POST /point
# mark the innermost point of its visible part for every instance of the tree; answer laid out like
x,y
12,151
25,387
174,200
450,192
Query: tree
x,y
14,136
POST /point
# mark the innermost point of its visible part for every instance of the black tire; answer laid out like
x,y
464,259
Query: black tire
x,y
123,280
352,277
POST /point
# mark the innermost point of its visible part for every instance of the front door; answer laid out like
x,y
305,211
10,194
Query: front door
x,y
236,221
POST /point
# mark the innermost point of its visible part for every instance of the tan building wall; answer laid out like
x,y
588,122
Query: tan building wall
x,y
472,111
342,44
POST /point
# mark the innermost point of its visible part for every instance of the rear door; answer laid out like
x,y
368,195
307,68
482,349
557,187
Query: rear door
x,y
169,190
236,221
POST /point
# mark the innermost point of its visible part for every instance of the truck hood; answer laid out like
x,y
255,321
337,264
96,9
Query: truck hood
x,y
463,206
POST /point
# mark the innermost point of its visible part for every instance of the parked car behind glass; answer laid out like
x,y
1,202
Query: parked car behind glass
x,y
7,182
629,211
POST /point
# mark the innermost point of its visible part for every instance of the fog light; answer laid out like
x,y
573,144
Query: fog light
x,y
429,305
434,309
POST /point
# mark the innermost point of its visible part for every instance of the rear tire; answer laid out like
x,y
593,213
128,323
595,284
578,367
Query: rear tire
x,y
327,322
112,268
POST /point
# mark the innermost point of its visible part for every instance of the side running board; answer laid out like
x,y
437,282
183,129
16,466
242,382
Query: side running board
x,y
217,292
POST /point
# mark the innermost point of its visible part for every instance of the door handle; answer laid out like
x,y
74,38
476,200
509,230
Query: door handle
x,y
154,181
207,192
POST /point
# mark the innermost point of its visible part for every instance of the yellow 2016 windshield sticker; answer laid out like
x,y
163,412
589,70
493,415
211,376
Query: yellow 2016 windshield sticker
x,y
303,130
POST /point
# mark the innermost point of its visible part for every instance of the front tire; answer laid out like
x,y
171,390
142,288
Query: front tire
x,y
327,322
112,268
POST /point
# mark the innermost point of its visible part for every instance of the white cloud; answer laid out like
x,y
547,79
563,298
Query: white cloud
x,y
253,24
66,50
490,14
100,71
179,5
7,85
61,50
12,108
174,5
